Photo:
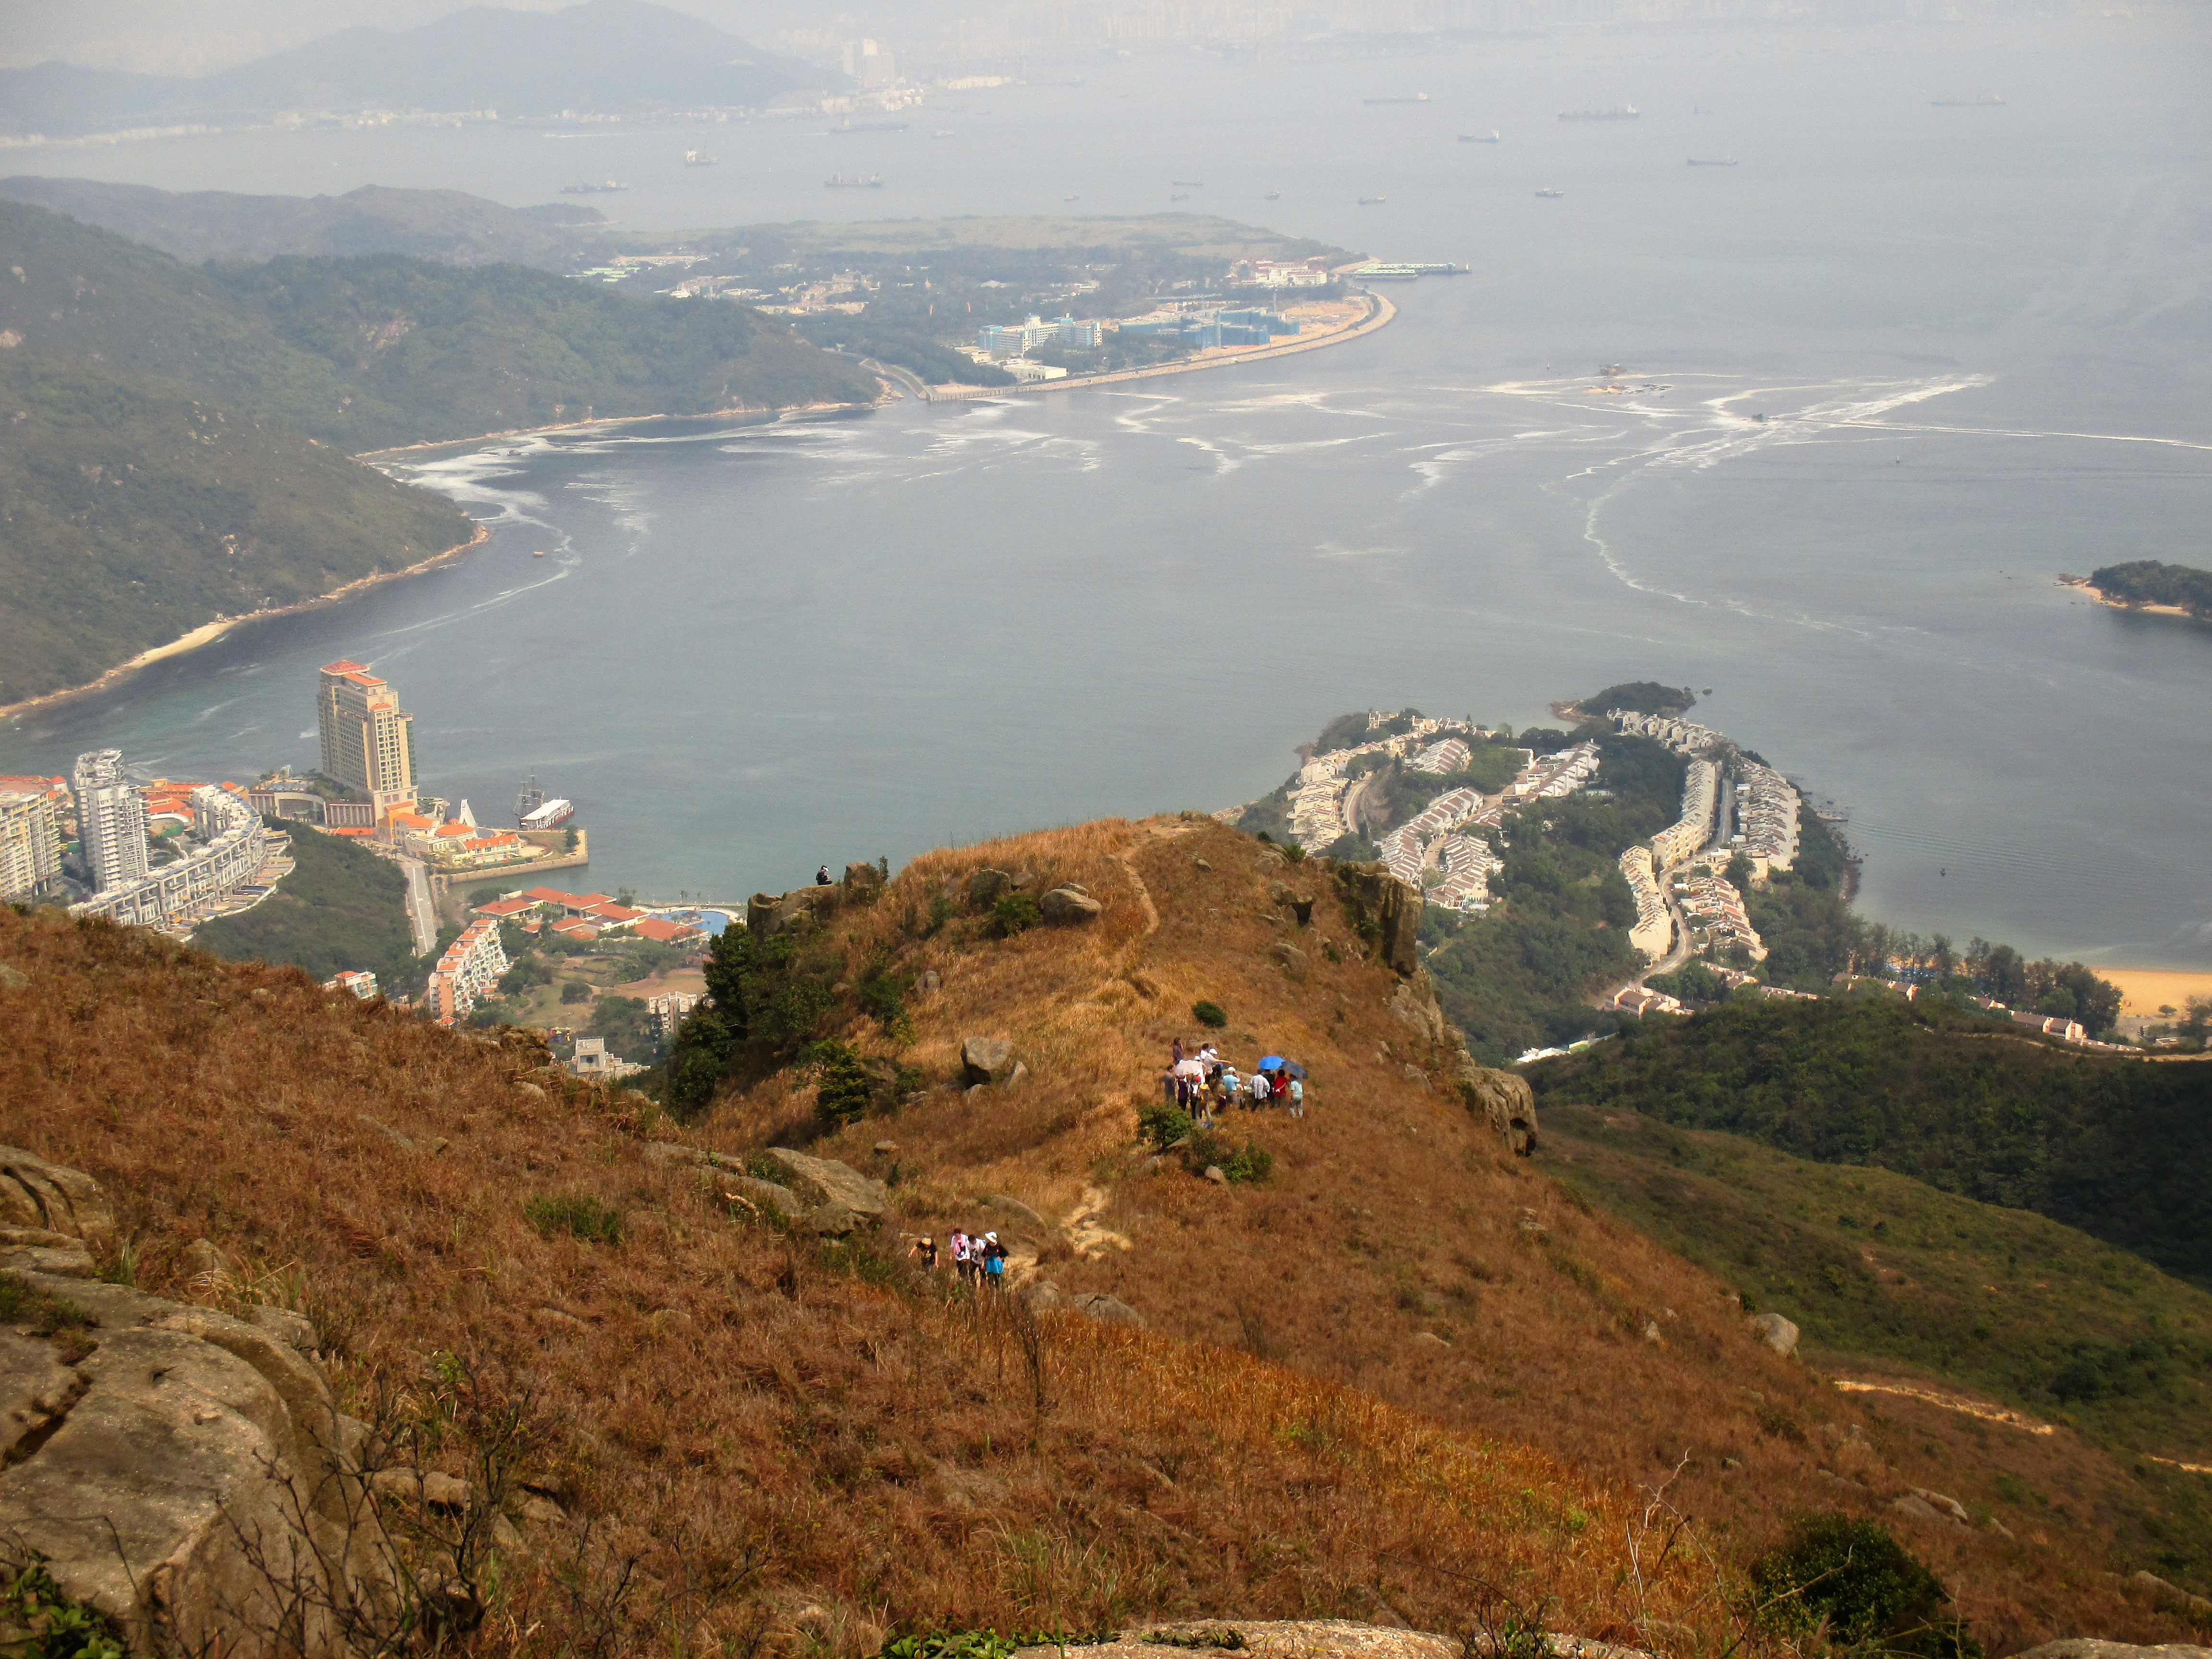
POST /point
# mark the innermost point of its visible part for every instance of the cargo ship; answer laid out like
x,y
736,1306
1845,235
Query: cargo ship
x,y
1626,113
550,815
1410,98
858,181
604,187
1551,195
1495,138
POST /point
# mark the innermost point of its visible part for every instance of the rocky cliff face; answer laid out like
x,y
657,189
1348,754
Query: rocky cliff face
x,y
183,1472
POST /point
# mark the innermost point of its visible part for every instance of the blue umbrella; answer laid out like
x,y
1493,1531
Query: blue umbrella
x,y
1271,1062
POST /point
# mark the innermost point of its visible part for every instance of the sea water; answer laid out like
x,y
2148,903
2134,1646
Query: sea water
x,y
1975,335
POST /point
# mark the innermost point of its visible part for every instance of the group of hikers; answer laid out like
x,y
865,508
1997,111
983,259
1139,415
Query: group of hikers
x,y
1203,1083
979,1259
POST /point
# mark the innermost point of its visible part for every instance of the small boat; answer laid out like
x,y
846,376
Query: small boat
x,y
697,158
945,133
1727,162
1495,138
1071,198
1187,184
605,186
1551,195
1272,196
1373,201
1985,100
539,554
1181,196
858,181
1411,98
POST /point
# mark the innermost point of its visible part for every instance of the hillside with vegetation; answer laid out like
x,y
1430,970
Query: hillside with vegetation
x,y
196,225
1385,1369
132,513
341,908
2147,581
2119,1148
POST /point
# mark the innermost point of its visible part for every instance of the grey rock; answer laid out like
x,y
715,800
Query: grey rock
x,y
828,1221
1014,1210
52,1198
2083,1647
1651,1331
1919,1508
1505,1102
1778,1333
884,1148
988,886
761,1195
2165,1592
432,1487
986,1060
1414,1003
1201,864
1294,962
1215,1174
1384,909
294,1330
1107,1309
1064,906
1016,1078
1024,880
928,983
12,978
1951,1506
825,1181
1043,1295
205,1262
1300,905
1732,1465
542,1511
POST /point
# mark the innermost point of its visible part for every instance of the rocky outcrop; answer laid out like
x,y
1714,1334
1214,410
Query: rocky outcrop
x,y
821,1181
1064,906
1300,905
1385,912
986,1060
185,1473
862,881
2083,1647
1505,1098
988,886
802,910
2165,1592
1294,962
1044,1295
1778,1333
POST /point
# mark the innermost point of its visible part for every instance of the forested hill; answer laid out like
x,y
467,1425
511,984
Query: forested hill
x,y
375,352
221,224
2147,581
2121,1149
132,513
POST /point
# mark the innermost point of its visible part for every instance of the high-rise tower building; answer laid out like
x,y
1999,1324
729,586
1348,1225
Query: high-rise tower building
x,y
368,740
111,820
30,840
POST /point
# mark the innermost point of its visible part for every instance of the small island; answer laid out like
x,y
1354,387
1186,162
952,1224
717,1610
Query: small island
x,y
2176,590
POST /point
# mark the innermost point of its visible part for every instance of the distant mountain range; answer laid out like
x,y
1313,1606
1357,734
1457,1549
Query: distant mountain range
x,y
196,225
604,57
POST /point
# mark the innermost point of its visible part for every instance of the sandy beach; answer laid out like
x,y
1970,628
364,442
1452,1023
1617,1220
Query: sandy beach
x,y
208,632
2103,597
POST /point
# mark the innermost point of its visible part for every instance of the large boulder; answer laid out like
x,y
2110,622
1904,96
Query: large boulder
x,y
988,886
1065,906
862,881
1300,905
986,1060
2086,1647
820,1181
1385,912
189,1474
1778,1333
1505,1099
49,1198
1414,1004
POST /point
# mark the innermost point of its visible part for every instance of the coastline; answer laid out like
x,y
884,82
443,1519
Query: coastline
x,y
208,632
2141,609
732,417
1381,316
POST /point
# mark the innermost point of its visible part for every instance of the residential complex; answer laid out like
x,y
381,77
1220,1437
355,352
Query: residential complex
x,y
1686,836
225,859
1655,924
1017,339
1715,910
1766,810
358,980
30,837
367,739
471,965
111,821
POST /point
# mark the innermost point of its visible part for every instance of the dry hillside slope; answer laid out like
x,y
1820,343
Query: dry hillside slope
x,y
1398,1248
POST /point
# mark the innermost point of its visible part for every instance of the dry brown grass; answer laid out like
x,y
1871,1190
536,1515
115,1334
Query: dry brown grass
x,y
802,1449
797,1451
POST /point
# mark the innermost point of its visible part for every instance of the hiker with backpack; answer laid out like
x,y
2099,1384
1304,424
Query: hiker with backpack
x,y
994,1263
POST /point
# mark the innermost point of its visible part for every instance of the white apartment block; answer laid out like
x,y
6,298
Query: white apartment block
x,y
230,850
111,820
30,845
471,967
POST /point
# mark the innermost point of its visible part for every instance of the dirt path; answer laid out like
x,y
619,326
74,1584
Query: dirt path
x,y
1089,1237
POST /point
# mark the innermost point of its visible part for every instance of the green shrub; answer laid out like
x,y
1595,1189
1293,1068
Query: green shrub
x,y
42,1619
1015,913
22,1303
1210,1014
1294,853
575,990
1162,1125
942,909
577,1213
1868,1591
883,994
840,1082
1246,1165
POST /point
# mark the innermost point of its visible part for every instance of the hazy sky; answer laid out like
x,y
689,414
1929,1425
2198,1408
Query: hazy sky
x,y
196,37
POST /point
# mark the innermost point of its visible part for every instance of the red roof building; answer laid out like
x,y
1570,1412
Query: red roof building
x,y
663,932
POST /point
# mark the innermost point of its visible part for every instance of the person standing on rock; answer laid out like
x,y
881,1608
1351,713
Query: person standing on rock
x,y
822,877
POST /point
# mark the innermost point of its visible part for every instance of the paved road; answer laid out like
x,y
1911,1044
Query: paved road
x,y
421,915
